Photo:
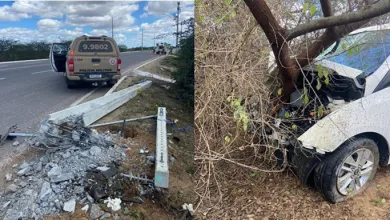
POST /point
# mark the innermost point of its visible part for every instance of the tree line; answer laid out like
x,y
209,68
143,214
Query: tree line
x,y
13,50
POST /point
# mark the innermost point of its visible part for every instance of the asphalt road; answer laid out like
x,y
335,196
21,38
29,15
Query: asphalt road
x,y
29,91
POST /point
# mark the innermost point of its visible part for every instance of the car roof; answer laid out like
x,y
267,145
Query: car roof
x,y
91,37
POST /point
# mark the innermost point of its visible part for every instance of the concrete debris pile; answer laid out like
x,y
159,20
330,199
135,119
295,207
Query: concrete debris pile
x,y
70,132
57,181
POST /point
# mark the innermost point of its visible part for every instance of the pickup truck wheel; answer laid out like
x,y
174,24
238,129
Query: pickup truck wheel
x,y
111,83
70,84
347,171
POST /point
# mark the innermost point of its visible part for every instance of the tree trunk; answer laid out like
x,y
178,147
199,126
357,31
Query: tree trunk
x,y
336,27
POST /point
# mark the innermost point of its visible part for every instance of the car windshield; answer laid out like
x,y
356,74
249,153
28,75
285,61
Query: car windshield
x,y
365,51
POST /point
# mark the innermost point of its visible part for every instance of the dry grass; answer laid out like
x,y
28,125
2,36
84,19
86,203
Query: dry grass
x,y
230,61
237,179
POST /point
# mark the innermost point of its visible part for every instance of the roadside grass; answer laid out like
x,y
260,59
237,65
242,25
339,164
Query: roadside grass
x,y
142,133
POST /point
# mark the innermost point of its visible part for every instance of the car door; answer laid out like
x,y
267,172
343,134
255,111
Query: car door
x,y
58,53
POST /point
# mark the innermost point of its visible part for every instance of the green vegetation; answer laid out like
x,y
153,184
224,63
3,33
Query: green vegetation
x,y
122,48
11,50
184,63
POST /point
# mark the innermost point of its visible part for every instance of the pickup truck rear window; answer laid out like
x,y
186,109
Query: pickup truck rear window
x,y
95,46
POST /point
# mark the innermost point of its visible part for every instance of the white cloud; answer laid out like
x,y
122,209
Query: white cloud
x,y
60,20
160,8
120,39
101,15
8,14
98,32
48,24
26,35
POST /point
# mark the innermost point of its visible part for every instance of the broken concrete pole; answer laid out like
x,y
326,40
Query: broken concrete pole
x,y
70,205
61,178
96,212
45,191
93,110
24,171
24,165
8,177
85,208
105,216
11,188
6,204
161,176
114,204
95,150
55,171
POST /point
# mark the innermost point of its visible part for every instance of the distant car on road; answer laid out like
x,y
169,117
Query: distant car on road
x,y
87,59
160,50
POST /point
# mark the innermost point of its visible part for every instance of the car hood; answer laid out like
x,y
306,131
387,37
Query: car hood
x,y
336,67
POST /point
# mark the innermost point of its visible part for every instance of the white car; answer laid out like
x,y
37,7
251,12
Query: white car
x,y
341,115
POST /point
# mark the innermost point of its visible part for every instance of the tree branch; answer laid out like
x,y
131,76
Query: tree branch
x,y
326,7
272,29
325,40
378,9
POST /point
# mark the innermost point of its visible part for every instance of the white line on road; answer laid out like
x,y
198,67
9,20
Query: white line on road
x,y
148,62
2,78
22,61
128,70
78,101
116,85
40,72
20,67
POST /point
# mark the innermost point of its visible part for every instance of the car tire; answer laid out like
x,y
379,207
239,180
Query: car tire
x,y
70,84
340,175
111,83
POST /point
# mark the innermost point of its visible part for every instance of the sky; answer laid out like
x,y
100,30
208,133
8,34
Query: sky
x,y
54,21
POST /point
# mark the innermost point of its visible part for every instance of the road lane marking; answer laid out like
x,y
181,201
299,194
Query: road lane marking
x,y
21,67
78,101
2,78
128,70
22,61
40,72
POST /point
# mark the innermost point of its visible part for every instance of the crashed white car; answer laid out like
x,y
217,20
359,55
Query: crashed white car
x,y
340,115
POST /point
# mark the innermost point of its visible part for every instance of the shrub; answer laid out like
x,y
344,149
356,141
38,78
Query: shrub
x,y
184,74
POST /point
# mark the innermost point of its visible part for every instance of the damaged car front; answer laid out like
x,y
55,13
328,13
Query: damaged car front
x,y
335,129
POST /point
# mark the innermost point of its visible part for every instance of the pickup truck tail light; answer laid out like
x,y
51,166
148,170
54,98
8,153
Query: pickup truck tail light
x,y
119,62
71,65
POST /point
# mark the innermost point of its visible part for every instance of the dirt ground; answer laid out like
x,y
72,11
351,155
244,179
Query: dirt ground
x,y
281,196
142,135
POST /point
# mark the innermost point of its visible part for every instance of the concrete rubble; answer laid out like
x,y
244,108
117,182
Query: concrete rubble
x,y
56,181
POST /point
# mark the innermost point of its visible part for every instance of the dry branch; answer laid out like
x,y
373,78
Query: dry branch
x,y
372,11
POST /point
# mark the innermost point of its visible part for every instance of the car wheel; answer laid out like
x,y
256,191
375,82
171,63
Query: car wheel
x,y
347,171
70,84
111,83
